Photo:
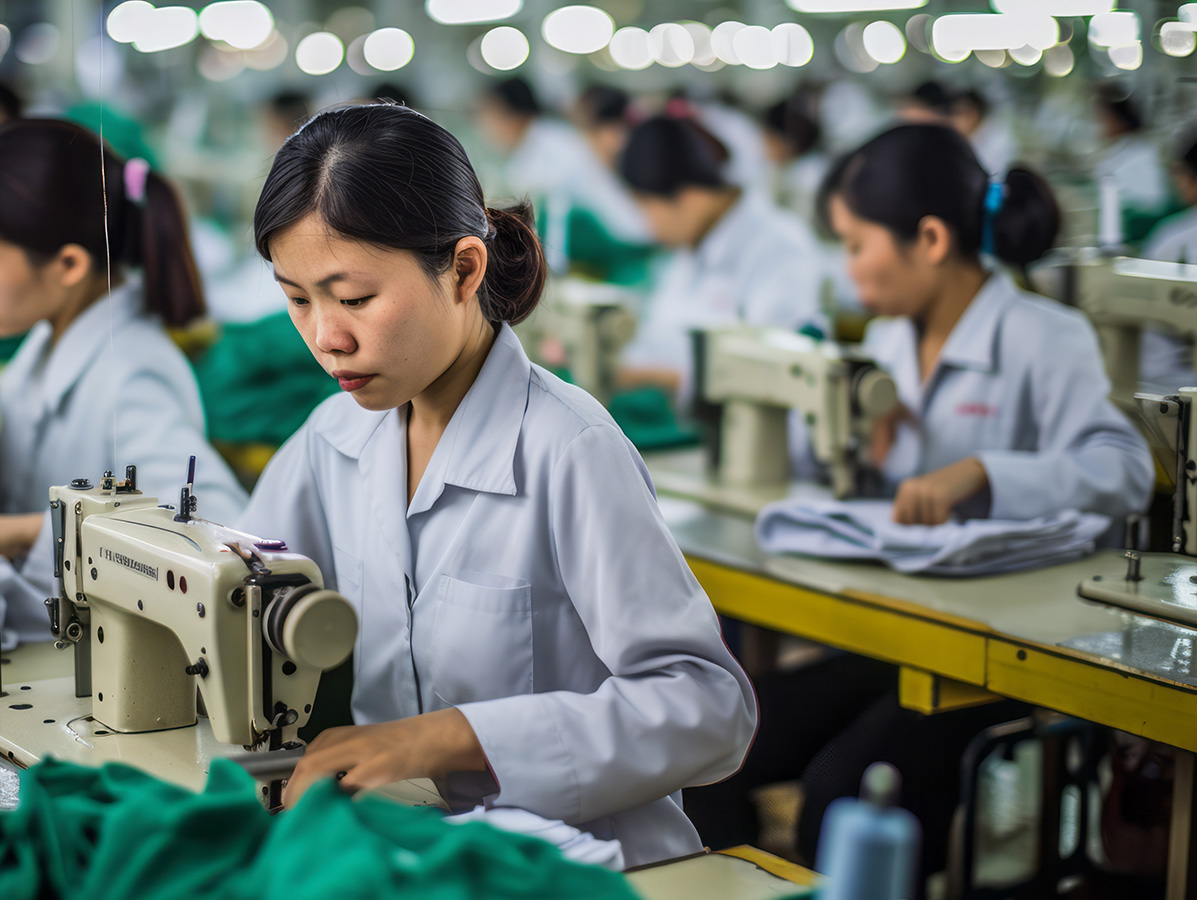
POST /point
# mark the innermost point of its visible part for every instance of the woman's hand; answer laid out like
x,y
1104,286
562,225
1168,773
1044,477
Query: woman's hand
x,y
18,532
929,499
427,746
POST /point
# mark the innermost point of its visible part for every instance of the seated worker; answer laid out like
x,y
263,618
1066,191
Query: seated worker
x,y
738,257
1129,156
531,636
1164,359
94,265
1006,415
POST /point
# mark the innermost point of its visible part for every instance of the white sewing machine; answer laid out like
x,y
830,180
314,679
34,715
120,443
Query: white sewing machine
x,y
1122,295
1164,585
754,377
582,325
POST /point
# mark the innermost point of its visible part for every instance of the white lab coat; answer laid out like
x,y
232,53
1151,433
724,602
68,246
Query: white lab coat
x,y
554,161
532,584
1164,359
113,391
759,265
1020,385
1134,163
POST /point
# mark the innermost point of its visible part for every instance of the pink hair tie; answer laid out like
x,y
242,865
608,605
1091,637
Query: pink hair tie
x,y
137,170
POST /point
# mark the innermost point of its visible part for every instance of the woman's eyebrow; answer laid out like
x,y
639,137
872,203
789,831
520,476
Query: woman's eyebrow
x,y
323,282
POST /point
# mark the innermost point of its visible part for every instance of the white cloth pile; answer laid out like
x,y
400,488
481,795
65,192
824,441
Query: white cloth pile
x,y
864,529
579,846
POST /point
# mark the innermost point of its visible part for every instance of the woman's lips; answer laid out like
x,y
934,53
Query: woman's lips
x,y
351,381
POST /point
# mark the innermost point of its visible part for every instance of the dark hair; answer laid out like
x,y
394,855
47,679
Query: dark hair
x,y
10,102
665,154
934,96
604,105
791,122
52,194
913,171
515,95
1115,99
974,98
1186,152
386,175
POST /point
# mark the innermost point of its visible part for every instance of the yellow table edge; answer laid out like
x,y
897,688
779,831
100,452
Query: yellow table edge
x,y
774,865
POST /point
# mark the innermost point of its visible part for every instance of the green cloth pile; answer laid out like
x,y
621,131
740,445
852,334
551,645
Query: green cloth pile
x,y
116,832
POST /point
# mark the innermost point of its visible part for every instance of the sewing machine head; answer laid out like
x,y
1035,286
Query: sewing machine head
x,y
751,378
158,603
1163,585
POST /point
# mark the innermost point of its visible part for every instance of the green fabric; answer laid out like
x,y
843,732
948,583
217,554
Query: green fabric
x,y
647,417
122,133
116,832
259,382
1137,224
595,253
8,347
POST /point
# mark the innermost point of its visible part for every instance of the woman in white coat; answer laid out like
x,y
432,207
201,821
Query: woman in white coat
x,y
738,257
530,634
93,264
1005,413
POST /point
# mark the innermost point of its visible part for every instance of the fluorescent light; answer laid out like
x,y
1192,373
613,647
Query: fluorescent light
x,y
166,28
754,47
243,24
1188,13
849,49
578,29
122,22
1114,29
504,48
884,42
1177,38
721,41
319,53
1128,56
468,12
792,44
388,49
671,45
1058,61
995,59
629,48
270,54
704,52
5,40
1026,56
956,33
851,6
1062,9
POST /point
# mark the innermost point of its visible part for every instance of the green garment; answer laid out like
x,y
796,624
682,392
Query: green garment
x,y
647,417
116,833
259,382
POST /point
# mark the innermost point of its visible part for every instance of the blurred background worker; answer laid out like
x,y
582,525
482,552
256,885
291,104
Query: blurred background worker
x,y
1129,157
737,257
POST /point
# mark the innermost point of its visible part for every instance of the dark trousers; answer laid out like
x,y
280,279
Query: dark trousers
x,y
825,724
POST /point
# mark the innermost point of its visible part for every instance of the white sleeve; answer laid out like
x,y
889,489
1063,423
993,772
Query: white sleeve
x,y
1089,456
787,289
676,710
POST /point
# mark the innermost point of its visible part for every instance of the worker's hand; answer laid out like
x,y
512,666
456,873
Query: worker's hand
x,y
885,432
18,532
364,756
929,499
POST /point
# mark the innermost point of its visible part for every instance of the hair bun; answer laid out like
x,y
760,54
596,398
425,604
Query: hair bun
x,y
515,267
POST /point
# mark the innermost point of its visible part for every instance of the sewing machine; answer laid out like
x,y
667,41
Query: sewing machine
x,y
157,603
750,379
1121,296
1164,585
584,326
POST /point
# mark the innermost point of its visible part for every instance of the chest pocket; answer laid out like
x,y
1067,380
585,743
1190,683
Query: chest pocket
x,y
481,639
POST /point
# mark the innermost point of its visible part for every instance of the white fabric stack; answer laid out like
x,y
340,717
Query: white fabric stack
x,y
579,846
865,530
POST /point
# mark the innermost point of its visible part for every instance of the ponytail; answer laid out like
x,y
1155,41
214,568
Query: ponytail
x,y
170,277
1026,225
515,265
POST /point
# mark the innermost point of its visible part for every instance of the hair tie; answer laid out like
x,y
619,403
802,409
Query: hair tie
x,y
137,172
995,198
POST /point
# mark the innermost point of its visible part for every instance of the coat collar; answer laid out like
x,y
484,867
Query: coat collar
x,y
973,342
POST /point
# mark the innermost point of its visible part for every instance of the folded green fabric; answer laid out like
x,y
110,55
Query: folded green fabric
x,y
116,832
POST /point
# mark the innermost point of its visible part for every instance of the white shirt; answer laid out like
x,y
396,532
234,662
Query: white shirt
x,y
1020,385
532,584
758,265
1134,164
553,160
994,145
113,391
1165,359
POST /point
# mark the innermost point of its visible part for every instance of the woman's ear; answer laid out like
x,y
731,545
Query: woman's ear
x,y
469,267
71,265
934,239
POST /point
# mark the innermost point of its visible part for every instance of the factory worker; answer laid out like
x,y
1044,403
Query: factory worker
x,y
1164,359
552,161
1004,397
989,135
1005,414
530,633
97,384
738,258
1129,156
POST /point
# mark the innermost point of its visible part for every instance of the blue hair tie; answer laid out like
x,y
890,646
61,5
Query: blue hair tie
x,y
995,197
